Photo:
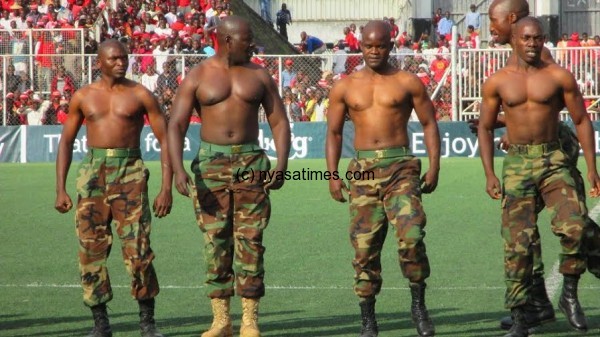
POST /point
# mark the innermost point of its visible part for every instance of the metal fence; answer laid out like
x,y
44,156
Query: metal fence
x,y
46,81
476,65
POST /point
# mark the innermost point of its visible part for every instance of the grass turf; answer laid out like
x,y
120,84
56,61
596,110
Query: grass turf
x,y
308,263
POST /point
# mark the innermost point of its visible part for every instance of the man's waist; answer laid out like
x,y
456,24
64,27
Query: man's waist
x,y
533,149
115,152
207,147
384,153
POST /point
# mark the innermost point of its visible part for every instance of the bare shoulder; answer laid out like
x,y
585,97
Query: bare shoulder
x,y
407,78
500,75
259,72
558,71
197,73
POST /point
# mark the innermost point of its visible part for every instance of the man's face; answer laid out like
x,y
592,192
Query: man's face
x,y
500,25
241,45
113,62
528,42
375,48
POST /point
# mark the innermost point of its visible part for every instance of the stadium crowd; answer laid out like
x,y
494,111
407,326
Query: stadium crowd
x,y
157,33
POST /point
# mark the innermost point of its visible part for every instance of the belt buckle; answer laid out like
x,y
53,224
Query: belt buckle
x,y
111,152
236,149
379,153
537,150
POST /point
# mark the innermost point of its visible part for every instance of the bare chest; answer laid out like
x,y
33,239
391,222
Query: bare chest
x,y
98,105
241,86
533,89
364,97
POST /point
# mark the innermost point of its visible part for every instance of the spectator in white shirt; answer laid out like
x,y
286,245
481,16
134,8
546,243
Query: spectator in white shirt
x,y
473,18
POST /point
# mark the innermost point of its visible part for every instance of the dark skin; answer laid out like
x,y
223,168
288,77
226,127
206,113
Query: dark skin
x,y
227,91
532,94
114,109
379,99
504,14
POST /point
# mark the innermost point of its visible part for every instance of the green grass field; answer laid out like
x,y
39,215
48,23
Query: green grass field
x,y
309,275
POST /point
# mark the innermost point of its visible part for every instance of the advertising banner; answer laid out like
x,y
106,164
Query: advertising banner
x,y
10,144
307,141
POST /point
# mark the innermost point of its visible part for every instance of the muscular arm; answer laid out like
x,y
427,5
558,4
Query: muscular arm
x,y
585,131
278,121
65,151
159,127
333,142
426,114
490,108
181,111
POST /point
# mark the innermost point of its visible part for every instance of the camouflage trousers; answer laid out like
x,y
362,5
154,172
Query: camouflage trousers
x,y
232,210
531,172
112,188
393,198
591,239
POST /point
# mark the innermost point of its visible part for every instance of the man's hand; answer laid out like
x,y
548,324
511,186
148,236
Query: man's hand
x,y
595,183
182,181
503,144
492,187
277,180
473,125
163,203
335,189
429,181
63,202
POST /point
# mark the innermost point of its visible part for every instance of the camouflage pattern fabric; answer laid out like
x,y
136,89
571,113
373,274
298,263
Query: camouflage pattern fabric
x,y
527,177
114,189
591,238
392,198
232,210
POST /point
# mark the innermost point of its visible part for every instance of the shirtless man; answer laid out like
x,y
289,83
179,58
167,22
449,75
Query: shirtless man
x,y
231,203
532,93
503,13
112,185
380,99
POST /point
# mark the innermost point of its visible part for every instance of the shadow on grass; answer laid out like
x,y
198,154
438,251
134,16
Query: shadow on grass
x,y
290,324
295,324
46,326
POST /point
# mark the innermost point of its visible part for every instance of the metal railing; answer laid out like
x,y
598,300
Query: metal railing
x,y
455,88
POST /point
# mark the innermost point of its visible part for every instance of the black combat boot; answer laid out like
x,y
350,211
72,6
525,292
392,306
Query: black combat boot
x,y
420,316
101,324
538,310
367,313
519,327
569,304
147,324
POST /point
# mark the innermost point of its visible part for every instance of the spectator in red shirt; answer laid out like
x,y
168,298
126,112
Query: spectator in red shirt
x,y
350,40
179,24
395,29
438,67
62,82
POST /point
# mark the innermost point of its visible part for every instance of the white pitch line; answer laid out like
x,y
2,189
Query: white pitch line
x,y
553,281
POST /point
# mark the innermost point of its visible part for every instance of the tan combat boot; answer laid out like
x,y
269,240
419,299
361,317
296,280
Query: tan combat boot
x,y
221,325
249,326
